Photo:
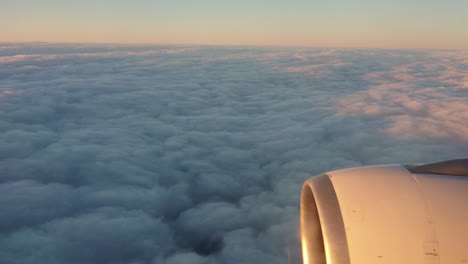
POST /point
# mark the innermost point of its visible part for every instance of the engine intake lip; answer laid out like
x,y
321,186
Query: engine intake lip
x,y
323,232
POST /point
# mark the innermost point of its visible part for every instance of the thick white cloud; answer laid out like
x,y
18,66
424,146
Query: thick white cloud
x,y
166,154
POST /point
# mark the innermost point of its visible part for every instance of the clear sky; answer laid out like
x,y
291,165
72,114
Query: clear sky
x,y
344,23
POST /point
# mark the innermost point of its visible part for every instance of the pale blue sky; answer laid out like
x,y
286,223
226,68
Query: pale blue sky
x,y
353,23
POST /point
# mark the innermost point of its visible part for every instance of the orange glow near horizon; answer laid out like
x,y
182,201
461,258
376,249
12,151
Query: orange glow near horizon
x,y
355,23
390,41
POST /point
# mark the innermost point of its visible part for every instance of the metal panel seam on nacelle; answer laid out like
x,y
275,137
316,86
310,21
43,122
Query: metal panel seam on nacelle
x,y
381,207
447,200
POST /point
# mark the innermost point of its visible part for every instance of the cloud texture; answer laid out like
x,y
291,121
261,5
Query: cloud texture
x,y
174,154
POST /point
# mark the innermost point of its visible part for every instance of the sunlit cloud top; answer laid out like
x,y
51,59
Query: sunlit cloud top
x,y
343,23
117,154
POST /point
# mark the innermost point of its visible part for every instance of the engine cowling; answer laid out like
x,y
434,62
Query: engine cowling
x,y
387,214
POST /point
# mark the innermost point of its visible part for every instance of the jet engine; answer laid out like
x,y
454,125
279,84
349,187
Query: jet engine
x,y
390,214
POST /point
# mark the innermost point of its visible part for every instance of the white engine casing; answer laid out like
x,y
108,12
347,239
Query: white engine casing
x,y
385,215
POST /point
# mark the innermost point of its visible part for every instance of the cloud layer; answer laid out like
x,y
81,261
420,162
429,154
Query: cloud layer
x,y
174,154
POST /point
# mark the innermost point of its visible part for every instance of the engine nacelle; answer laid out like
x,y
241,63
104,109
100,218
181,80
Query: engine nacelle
x,y
392,214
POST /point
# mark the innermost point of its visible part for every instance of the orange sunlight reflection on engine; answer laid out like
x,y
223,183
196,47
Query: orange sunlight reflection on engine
x,y
305,254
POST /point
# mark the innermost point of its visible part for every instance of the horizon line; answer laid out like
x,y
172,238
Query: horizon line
x,y
231,45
